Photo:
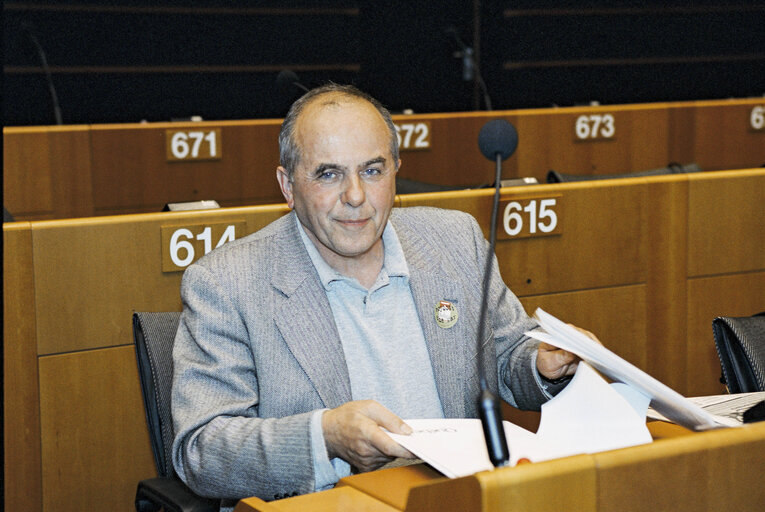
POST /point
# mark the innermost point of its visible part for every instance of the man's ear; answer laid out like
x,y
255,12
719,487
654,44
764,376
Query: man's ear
x,y
285,185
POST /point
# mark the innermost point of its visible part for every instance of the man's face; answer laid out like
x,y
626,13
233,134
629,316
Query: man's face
x,y
344,186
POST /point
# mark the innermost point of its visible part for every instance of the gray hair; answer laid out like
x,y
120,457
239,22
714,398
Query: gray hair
x,y
289,149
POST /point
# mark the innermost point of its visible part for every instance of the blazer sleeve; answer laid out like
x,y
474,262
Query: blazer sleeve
x,y
222,448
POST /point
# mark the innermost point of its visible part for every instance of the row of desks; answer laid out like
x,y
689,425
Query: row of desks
x,y
88,170
680,470
645,263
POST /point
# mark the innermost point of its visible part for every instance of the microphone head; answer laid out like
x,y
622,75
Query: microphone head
x,y
497,137
286,78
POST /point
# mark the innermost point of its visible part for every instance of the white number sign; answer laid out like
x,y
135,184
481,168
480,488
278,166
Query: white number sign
x,y
530,217
413,135
183,145
757,118
181,246
595,126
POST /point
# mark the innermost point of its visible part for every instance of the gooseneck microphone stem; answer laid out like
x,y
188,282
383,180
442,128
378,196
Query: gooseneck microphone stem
x,y
497,141
488,404
48,76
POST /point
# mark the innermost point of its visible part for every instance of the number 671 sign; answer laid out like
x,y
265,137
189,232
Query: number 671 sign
x,y
528,217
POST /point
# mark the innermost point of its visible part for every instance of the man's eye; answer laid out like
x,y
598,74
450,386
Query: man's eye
x,y
328,176
371,172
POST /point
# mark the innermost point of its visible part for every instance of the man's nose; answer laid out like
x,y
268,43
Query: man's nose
x,y
353,192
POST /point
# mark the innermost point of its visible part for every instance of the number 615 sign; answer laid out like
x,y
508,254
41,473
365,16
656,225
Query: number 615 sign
x,y
528,217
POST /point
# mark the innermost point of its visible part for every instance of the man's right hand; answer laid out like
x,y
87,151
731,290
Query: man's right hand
x,y
353,433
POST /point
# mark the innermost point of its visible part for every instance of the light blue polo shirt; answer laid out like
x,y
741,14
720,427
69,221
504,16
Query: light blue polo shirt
x,y
383,342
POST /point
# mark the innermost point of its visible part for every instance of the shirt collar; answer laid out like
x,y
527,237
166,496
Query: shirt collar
x,y
394,262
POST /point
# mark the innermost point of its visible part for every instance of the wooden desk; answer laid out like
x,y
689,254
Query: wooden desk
x,y
88,170
710,471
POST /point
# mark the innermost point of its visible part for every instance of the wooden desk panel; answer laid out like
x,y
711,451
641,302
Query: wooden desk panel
x,y
711,471
547,141
95,442
27,195
46,172
603,241
91,274
337,499
726,210
617,315
130,168
453,158
723,137
21,421
59,172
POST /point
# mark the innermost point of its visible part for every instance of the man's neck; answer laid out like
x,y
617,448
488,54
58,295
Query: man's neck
x,y
364,267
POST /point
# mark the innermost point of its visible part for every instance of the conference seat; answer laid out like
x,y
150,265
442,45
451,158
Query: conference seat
x,y
154,334
673,168
740,343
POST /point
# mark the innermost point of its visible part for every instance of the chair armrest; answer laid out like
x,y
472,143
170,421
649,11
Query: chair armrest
x,y
172,495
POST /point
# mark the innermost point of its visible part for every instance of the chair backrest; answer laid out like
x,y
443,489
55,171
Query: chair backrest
x,y
740,345
154,334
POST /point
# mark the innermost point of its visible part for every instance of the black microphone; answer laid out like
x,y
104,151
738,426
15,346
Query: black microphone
x,y
470,69
497,141
48,77
287,78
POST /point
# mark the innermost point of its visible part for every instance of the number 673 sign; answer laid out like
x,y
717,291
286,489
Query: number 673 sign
x,y
528,217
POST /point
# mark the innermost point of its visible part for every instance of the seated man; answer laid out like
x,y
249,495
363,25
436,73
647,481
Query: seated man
x,y
300,343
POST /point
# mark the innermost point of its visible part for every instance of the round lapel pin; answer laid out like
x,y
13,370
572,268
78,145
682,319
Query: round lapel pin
x,y
446,314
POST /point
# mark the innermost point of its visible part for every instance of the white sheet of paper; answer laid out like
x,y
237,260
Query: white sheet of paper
x,y
664,399
588,416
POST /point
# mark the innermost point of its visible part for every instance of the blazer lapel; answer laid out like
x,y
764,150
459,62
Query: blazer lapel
x,y
304,319
450,349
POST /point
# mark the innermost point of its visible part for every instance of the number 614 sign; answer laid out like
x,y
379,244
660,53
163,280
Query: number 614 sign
x,y
528,217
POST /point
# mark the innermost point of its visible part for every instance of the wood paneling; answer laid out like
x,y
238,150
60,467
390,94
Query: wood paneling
x,y
48,169
666,236
723,135
91,274
130,168
549,142
726,216
27,178
95,443
46,172
21,420
708,298
615,314
602,243
705,472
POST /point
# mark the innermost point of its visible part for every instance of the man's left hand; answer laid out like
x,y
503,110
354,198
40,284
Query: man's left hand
x,y
554,363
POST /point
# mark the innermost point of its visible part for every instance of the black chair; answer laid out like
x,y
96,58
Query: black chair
x,y
673,168
740,343
154,334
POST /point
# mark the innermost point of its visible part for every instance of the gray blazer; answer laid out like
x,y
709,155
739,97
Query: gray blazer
x,y
257,349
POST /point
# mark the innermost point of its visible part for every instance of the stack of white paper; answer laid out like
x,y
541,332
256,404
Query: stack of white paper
x,y
588,416
664,399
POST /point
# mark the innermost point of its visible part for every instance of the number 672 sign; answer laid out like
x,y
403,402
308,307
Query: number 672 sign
x,y
528,217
